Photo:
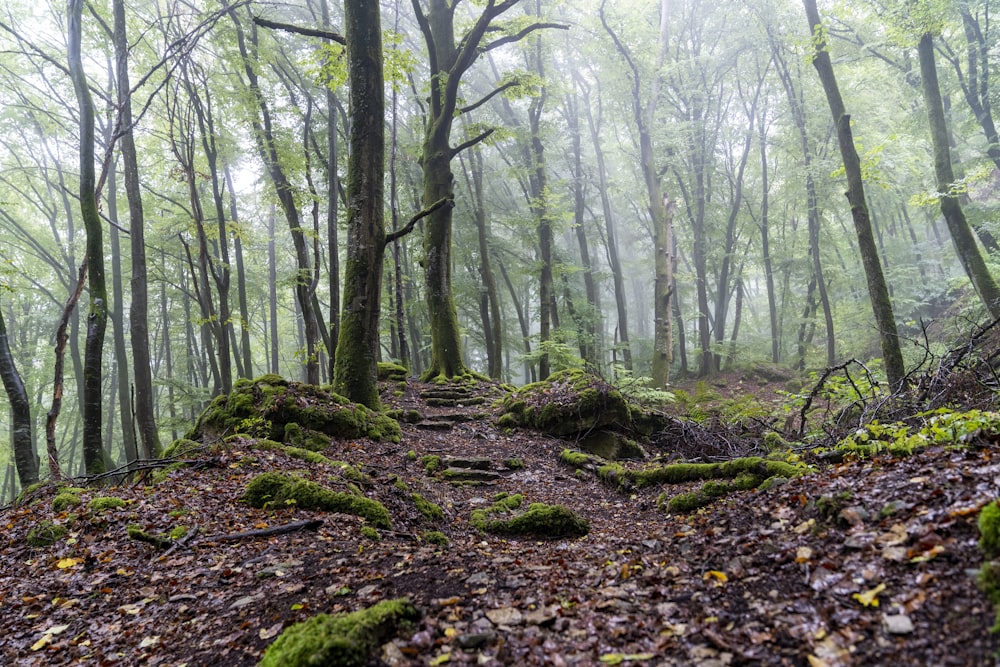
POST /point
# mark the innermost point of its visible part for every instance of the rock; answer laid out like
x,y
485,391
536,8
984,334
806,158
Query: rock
x,y
469,475
897,624
505,616
475,640
471,462
611,446
246,601
541,616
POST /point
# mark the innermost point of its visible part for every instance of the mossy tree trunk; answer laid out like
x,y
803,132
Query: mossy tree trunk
x,y
877,289
97,317
450,59
961,234
25,458
357,347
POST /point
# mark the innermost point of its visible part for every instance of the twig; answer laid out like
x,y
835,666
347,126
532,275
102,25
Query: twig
x,y
306,524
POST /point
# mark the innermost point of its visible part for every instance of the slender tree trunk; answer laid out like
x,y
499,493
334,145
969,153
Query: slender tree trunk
x,y
332,203
241,282
765,242
877,289
965,243
23,440
493,324
97,318
139,291
272,273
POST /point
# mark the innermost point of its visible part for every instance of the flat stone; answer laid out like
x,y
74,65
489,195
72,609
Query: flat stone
x,y
473,462
897,624
469,475
434,426
505,616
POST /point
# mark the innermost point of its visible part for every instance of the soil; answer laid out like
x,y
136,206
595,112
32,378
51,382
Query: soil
x,y
881,571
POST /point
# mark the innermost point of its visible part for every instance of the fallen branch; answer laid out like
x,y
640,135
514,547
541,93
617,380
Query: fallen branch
x,y
307,524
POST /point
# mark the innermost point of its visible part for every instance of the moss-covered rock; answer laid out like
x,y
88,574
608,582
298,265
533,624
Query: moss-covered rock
x,y
430,510
265,408
276,490
64,500
343,640
539,520
103,503
389,372
435,537
989,530
567,402
677,473
314,441
181,447
46,533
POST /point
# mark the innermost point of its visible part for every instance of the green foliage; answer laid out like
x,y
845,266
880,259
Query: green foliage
x,y
343,640
138,534
180,448
941,427
639,388
573,458
275,490
46,533
514,463
370,533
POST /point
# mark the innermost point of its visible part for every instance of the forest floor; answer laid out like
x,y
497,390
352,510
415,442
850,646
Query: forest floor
x,y
888,577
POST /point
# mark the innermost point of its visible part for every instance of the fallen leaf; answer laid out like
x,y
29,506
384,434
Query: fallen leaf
x,y
268,633
149,641
718,578
870,597
65,563
803,555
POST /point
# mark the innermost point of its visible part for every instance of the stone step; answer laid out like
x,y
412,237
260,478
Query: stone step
x,y
467,462
434,425
467,475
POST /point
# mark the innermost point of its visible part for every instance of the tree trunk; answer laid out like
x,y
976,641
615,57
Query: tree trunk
x,y
241,282
765,243
877,289
355,371
492,320
23,440
97,317
965,243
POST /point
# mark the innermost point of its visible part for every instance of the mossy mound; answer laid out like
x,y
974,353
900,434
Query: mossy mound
x,y
275,490
343,640
388,372
64,500
265,407
102,503
989,544
181,447
539,520
46,533
566,403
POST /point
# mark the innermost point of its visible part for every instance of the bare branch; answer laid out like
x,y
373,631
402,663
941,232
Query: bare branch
x,y
310,32
487,98
399,233
508,39
473,141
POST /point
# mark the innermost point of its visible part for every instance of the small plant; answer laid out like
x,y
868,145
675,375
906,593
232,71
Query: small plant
x,y
370,533
102,503
45,534
514,463
431,463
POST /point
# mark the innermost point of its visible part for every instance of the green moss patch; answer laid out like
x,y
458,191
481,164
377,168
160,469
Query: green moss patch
x,y
266,407
389,372
989,544
940,427
181,447
46,533
539,520
343,640
103,503
430,510
64,500
435,537
275,490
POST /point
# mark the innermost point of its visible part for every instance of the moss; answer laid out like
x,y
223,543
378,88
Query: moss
x,y
265,407
64,500
989,530
678,473
295,452
431,463
514,463
181,447
273,489
343,640
137,533
370,533
435,537
574,458
391,372
586,402
46,533
774,442
102,503
411,455
178,532
430,510
301,438
541,520
162,474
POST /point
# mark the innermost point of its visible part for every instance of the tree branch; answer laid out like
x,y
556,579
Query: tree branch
x,y
508,39
399,233
472,142
487,98
309,32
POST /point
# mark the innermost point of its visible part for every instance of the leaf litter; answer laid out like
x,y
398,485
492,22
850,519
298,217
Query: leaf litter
x,y
756,578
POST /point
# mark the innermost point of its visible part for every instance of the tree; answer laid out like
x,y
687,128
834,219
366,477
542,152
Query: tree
x,y
951,208
659,206
97,318
25,458
355,372
449,61
877,289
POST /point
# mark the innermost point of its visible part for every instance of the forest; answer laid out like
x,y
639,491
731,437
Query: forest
x,y
653,191
499,332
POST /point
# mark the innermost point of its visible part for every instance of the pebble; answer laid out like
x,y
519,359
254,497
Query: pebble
x,y
897,624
